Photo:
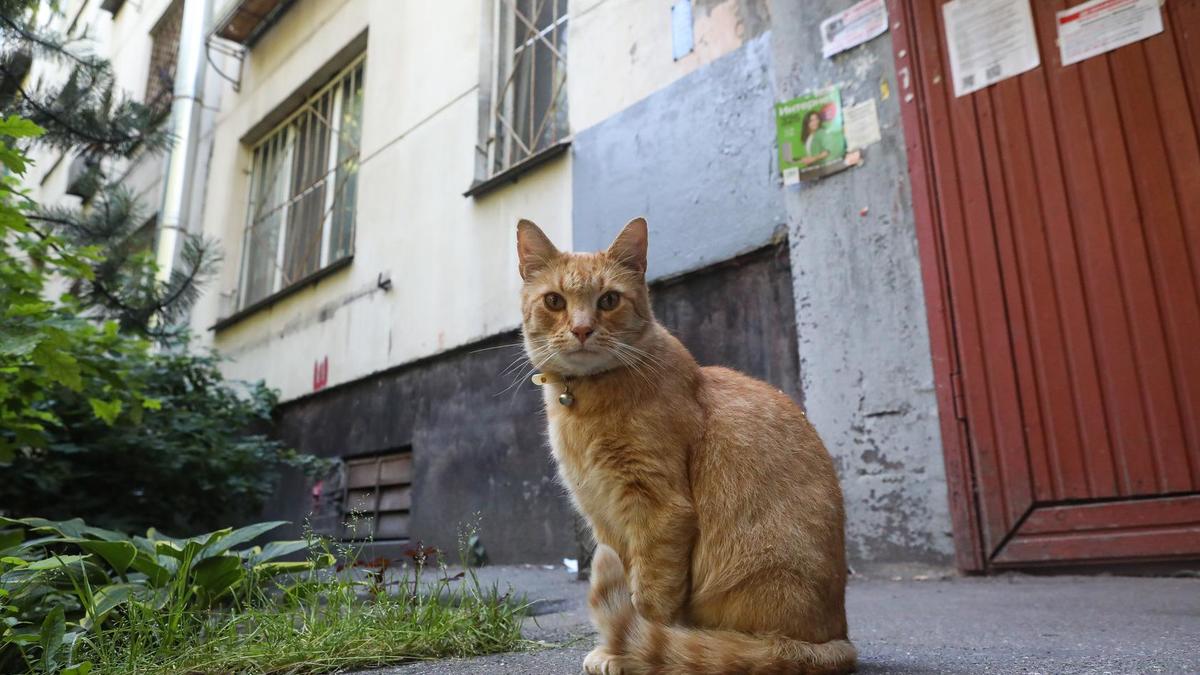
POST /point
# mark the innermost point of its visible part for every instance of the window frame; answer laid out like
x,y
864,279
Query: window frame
x,y
160,86
496,51
328,261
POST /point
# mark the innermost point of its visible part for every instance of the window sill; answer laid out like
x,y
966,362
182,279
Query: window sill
x,y
310,280
514,172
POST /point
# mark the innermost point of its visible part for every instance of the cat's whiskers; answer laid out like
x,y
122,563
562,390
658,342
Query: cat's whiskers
x,y
538,351
642,356
532,369
660,366
511,345
538,346
632,363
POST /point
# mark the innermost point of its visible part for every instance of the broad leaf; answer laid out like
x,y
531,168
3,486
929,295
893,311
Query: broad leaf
x,y
10,539
112,596
118,554
107,411
57,562
156,574
241,535
169,549
18,127
215,576
74,528
277,549
271,569
51,637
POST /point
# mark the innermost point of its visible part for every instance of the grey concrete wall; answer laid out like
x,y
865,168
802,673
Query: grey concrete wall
x,y
698,159
695,158
864,347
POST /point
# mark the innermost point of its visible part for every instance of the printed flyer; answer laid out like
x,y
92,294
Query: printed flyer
x,y
852,27
989,41
810,135
1101,26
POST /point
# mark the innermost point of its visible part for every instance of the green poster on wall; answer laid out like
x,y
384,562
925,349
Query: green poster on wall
x,y
812,142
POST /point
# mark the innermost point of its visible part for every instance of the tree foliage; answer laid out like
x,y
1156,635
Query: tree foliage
x,y
104,410
46,349
85,115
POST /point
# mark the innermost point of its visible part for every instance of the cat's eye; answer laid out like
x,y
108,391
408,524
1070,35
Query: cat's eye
x,y
554,302
609,300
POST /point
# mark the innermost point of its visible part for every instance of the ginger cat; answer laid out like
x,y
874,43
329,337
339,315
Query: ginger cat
x,y
711,487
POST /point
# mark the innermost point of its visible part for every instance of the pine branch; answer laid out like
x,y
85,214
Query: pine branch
x,y
50,46
129,126
87,114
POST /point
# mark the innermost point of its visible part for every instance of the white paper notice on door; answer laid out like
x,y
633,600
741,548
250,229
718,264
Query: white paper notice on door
x,y
1101,26
989,41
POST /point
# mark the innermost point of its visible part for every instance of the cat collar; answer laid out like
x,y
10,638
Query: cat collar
x,y
566,398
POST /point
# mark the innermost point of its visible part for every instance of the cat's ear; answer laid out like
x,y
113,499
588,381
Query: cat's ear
x,y
629,247
534,249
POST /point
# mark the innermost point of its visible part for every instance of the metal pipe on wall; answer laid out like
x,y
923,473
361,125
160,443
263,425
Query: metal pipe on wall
x,y
186,108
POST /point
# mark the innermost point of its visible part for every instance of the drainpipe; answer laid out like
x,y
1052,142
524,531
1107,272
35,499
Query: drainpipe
x,y
186,109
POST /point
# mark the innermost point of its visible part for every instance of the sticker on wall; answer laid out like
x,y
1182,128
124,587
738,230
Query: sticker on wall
x,y
811,137
681,29
1100,26
861,124
852,27
989,41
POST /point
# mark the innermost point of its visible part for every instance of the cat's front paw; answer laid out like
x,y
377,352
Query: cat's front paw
x,y
600,661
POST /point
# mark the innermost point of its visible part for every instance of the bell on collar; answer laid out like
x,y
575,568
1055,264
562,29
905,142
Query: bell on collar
x,y
566,398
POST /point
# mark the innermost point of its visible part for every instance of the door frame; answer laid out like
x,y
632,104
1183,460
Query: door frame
x,y
964,516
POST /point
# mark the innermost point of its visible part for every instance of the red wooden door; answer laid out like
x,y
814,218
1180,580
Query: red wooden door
x,y
1059,224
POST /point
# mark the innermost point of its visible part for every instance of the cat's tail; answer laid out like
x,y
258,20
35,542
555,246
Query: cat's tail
x,y
638,646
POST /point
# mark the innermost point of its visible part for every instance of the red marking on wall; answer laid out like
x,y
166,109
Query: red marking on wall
x,y
320,374
317,489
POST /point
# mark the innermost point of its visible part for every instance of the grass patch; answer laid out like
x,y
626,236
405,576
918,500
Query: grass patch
x,y
76,600
314,626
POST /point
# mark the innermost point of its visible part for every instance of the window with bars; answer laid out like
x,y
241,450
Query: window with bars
x,y
303,184
377,497
164,54
527,107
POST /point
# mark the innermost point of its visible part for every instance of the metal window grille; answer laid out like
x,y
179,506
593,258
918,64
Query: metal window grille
x,y
303,184
377,497
528,111
164,54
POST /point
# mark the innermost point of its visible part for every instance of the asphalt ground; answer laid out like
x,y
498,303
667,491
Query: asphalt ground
x,y
923,622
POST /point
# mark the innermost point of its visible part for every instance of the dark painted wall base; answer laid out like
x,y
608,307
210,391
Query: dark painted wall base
x,y
479,444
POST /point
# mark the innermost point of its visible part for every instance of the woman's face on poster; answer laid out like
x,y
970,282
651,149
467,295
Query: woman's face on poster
x,y
813,122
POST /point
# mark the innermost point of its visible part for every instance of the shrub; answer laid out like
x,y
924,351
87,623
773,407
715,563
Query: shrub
x,y
191,464
96,421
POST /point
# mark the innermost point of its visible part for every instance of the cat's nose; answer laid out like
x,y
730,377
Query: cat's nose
x,y
582,332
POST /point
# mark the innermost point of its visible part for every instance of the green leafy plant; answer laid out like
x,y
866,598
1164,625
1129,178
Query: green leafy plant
x,y
84,404
63,583
79,598
87,115
199,459
45,348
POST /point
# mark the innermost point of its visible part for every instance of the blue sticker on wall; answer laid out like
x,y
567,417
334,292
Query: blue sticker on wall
x,y
681,29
